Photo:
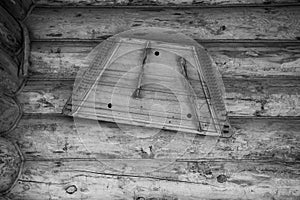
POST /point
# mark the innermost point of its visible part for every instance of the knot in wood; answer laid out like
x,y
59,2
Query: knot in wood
x,y
222,178
71,189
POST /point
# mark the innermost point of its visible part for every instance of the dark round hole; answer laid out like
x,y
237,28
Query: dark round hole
x,y
189,115
222,178
156,53
109,105
169,122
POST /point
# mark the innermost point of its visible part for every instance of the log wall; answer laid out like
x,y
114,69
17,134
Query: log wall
x,y
256,48
168,3
14,50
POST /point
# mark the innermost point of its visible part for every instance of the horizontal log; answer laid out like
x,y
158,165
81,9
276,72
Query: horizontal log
x,y
208,23
63,59
159,2
90,180
274,95
244,97
48,136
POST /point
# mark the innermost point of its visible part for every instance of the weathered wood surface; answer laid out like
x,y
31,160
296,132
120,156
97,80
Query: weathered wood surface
x,y
227,23
62,59
158,2
10,165
11,67
270,87
65,158
261,161
9,76
274,100
58,137
244,97
213,180
10,33
17,8
10,113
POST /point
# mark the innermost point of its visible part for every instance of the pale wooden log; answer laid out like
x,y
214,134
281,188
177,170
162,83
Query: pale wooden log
x,y
276,95
275,138
246,97
63,59
158,2
79,179
229,23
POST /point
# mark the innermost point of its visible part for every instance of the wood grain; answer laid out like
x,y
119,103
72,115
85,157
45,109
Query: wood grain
x,y
72,160
244,97
260,78
90,180
158,2
10,165
255,138
210,23
63,59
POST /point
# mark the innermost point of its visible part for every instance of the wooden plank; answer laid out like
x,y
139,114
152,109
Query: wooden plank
x,y
210,23
276,94
158,2
246,97
84,161
89,180
254,138
63,59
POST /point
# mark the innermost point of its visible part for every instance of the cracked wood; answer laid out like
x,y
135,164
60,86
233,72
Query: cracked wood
x,y
209,23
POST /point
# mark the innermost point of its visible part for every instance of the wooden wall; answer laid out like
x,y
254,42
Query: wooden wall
x,y
255,48
14,50
161,2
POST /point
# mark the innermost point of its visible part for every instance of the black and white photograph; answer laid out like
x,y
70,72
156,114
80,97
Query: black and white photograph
x,y
149,99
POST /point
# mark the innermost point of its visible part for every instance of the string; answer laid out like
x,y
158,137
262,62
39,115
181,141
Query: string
x,y
143,41
101,83
142,47
117,110
149,73
165,124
